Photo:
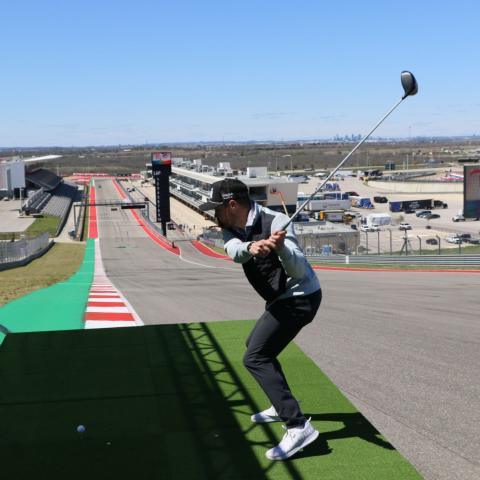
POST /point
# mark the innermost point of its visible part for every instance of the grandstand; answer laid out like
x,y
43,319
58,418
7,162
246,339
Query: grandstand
x,y
36,201
60,200
53,196
42,178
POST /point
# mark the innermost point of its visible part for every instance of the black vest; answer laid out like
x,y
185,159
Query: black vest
x,y
266,275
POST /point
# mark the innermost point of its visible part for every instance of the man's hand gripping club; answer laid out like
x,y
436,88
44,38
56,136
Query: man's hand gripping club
x,y
262,248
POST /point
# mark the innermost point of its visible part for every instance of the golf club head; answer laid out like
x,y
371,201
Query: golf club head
x,y
409,84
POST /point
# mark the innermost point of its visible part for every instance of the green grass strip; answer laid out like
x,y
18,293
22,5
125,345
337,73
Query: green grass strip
x,y
58,307
171,401
46,223
348,447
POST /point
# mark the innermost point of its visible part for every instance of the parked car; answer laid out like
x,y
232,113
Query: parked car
x,y
409,210
474,241
404,226
422,213
453,239
431,216
461,218
369,228
431,241
352,194
298,178
380,199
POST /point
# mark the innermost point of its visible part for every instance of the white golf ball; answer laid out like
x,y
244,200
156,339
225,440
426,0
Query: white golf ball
x,y
81,429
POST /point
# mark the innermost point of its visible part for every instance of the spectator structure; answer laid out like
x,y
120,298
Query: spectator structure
x,y
53,195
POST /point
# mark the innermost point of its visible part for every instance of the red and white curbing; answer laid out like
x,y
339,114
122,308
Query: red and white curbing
x,y
107,307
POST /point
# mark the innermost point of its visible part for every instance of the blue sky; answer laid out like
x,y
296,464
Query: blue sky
x,y
117,72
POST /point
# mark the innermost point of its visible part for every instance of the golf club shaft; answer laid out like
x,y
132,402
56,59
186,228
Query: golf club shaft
x,y
333,172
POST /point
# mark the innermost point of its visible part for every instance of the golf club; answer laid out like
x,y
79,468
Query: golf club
x,y
410,87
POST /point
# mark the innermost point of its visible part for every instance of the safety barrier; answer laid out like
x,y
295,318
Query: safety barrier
x,y
451,260
13,254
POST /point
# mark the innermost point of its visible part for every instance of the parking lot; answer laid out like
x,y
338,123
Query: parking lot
x,y
425,234
11,221
391,237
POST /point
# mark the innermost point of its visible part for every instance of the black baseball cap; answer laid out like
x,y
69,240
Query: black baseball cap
x,y
224,190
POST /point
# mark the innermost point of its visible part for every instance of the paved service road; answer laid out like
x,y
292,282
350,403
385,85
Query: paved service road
x,y
403,346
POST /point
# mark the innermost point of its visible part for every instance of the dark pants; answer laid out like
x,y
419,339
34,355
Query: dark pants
x,y
274,330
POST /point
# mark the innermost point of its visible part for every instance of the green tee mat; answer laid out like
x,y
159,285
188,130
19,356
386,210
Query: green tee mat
x,y
169,402
58,307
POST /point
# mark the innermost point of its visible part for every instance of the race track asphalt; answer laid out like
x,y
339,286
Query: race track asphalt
x,y
402,346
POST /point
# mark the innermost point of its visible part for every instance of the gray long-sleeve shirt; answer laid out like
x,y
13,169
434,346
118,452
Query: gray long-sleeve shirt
x,y
301,279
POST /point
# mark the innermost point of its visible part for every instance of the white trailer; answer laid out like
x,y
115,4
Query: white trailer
x,y
328,204
378,219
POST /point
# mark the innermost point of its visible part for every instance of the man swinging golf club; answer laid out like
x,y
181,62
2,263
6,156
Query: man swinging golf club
x,y
277,269
264,242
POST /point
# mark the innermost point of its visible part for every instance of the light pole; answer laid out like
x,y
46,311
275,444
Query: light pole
x,y
378,242
438,238
420,242
390,232
405,241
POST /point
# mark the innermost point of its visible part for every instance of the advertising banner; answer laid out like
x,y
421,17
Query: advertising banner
x,y
471,191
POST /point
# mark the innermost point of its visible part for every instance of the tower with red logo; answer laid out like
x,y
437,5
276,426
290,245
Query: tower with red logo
x,y
161,170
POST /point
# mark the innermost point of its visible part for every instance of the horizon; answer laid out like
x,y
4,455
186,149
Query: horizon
x,y
446,138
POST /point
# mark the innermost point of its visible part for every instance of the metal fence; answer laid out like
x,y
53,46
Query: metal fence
x,y
213,236
311,244
22,249
334,242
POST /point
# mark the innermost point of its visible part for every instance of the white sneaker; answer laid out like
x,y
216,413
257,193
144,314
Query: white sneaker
x,y
267,416
294,440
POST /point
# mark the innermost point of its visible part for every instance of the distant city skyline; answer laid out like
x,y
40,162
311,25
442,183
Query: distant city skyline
x,y
131,73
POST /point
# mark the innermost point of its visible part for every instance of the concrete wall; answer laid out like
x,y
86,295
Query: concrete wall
x,y
17,168
12,175
417,187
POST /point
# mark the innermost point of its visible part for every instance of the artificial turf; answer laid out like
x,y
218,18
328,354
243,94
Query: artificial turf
x,y
169,402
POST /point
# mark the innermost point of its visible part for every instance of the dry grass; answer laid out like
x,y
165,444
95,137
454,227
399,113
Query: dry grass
x,y
58,264
284,156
